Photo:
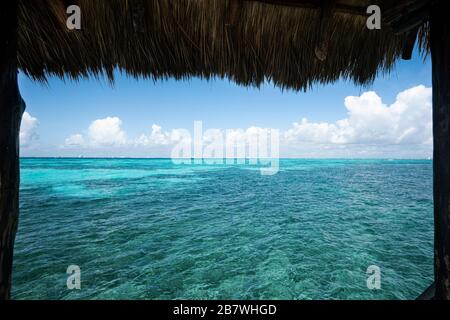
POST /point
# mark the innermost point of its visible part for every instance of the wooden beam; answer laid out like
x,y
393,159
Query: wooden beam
x,y
408,47
316,5
392,14
324,32
410,21
11,110
440,55
407,15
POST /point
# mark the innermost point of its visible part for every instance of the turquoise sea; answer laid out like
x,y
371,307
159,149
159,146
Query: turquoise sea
x,y
150,229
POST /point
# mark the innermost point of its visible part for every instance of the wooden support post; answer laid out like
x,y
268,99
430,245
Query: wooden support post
x,y
440,52
11,110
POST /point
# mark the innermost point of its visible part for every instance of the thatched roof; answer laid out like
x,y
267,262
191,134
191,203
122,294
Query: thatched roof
x,y
248,42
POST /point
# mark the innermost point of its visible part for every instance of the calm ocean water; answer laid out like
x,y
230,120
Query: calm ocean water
x,y
149,229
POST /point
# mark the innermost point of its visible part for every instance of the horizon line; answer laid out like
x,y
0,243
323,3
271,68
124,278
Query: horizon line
x,y
167,158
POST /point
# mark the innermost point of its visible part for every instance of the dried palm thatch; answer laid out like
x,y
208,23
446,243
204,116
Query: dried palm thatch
x,y
254,43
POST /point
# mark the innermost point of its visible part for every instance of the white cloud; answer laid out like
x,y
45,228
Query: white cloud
x,y
75,140
28,130
180,136
371,129
107,132
371,122
157,137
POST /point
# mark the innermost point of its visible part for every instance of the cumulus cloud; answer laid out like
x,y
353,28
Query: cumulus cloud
x,y
75,140
28,130
371,128
405,122
156,137
107,132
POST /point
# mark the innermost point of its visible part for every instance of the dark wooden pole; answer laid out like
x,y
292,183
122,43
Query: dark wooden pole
x,y
11,110
440,52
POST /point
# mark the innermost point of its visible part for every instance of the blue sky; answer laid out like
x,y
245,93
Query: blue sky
x,y
62,109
